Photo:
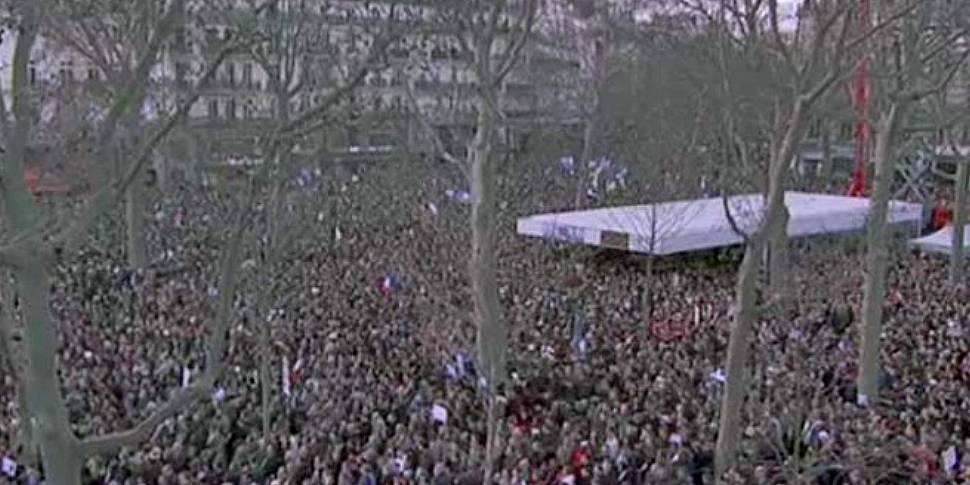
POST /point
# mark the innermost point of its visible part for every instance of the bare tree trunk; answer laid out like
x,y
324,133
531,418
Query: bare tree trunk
x,y
26,446
959,221
779,273
26,442
729,428
46,406
582,165
58,444
137,246
492,333
877,258
827,162
648,303
274,213
7,357
136,243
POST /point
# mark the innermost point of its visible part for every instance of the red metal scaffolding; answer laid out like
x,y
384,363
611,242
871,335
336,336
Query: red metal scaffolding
x,y
861,98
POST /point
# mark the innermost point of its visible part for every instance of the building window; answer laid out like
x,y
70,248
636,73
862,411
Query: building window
x,y
181,69
67,73
213,108
180,39
231,74
93,75
248,75
231,109
249,110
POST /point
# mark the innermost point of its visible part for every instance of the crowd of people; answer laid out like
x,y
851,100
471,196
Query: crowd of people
x,y
373,377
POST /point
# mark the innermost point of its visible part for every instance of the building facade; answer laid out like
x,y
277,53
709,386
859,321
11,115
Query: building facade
x,y
297,56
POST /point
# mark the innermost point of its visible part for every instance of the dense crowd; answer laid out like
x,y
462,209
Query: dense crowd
x,y
372,357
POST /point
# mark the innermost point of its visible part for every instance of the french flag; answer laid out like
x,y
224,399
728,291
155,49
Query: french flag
x,y
389,285
568,165
462,196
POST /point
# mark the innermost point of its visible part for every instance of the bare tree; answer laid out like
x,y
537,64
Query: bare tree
x,y
493,35
652,120
123,46
32,247
811,60
595,36
314,74
957,149
948,109
918,59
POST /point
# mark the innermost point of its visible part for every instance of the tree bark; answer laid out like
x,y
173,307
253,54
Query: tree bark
x,y
877,256
729,428
274,210
959,222
779,274
648,303
136,244
648,295
26,447
582,165
47,409
827,162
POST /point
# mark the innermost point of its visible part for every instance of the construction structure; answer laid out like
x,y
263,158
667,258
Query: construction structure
x,y
695,225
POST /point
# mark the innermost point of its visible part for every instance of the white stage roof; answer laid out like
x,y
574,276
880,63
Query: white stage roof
x,y
939,241
694,225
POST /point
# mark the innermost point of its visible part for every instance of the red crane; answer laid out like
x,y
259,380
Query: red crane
x,y
861,97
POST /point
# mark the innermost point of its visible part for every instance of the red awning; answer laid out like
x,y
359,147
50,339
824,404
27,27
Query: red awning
x,y
42,183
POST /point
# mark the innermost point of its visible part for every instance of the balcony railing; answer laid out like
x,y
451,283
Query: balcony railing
x,y
442,86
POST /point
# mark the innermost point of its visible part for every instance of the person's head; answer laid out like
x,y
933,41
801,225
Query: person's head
x,y
573,283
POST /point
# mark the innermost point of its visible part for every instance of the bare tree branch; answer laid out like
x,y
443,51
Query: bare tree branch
x,y
432,133
134,88
215,350
342,92
732,221
111,443
883,25
512,53
779,43
110,195
947,78
945,43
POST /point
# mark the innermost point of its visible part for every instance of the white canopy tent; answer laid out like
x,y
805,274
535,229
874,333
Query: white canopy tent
x,y
693,225
940,241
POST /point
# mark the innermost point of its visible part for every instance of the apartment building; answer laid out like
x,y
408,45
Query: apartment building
x,y
334,39
316,44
